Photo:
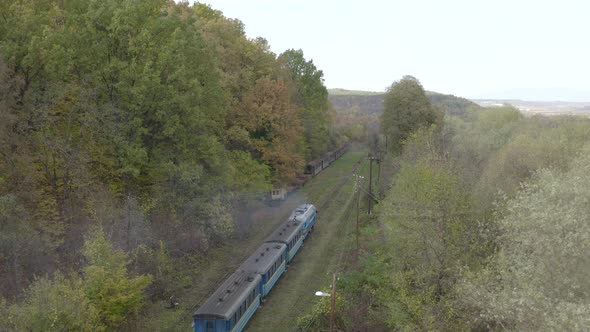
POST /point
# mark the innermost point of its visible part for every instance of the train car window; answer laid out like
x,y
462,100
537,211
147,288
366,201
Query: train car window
x,y
210,326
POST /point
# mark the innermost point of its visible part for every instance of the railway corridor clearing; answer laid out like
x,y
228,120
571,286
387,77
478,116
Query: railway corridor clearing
x,y
322,253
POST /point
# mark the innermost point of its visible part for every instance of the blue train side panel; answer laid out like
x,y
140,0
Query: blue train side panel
x,y
201,325
269,261
211,326
295,248
273,280
244,320
232,305
289,233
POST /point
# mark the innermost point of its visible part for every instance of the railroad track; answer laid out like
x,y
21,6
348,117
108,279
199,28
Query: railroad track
x,y
324,252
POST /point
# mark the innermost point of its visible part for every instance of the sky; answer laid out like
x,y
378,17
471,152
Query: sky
x,y
513,49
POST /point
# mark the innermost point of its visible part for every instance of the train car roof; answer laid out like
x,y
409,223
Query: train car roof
x,y
286,232
316,162
302,212
263,258
229,296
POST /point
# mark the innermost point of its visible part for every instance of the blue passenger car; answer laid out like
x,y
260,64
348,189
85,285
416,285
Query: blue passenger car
x,y
232,304
269,261
291,234
235,301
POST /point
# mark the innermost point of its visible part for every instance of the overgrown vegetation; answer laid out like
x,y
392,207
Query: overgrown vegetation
x,y
406,109
484,226
155,122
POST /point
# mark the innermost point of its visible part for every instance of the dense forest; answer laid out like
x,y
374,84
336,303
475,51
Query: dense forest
x,y
136,135
131,133
482,225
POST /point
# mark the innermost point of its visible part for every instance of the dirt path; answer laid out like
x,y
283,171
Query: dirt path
x,y
322,253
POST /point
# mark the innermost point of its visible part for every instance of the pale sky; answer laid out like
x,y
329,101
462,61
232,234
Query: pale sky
x,y
478,49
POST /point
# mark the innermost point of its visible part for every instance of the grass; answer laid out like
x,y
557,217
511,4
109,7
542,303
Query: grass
x,y
323,252
205,273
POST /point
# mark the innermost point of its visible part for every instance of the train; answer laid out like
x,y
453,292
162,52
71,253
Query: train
x,y
312,169
232,305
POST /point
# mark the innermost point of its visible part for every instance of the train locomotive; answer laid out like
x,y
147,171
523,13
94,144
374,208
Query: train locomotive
x,y
232,305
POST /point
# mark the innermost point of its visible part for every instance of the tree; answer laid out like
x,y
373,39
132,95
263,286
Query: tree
x,y
53,304
274,128
429,237
406,108
115,295
539,279
311,96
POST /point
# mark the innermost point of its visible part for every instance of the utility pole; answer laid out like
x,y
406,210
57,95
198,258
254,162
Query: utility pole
x,y
370,184
333,302
379,163
358,198
372,157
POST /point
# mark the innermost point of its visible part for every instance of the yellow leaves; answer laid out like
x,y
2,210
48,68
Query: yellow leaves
x,y
274,127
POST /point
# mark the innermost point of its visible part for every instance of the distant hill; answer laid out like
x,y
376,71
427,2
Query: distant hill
x,y
452,105
361,104
344,92
553,94
369,102
540,107
366,102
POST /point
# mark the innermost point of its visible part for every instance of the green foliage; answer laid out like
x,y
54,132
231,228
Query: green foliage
x,y
16,252
428,240
452,105
53,304
319,318
467,245
107,286
153,118
539,279
406,109
312,97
